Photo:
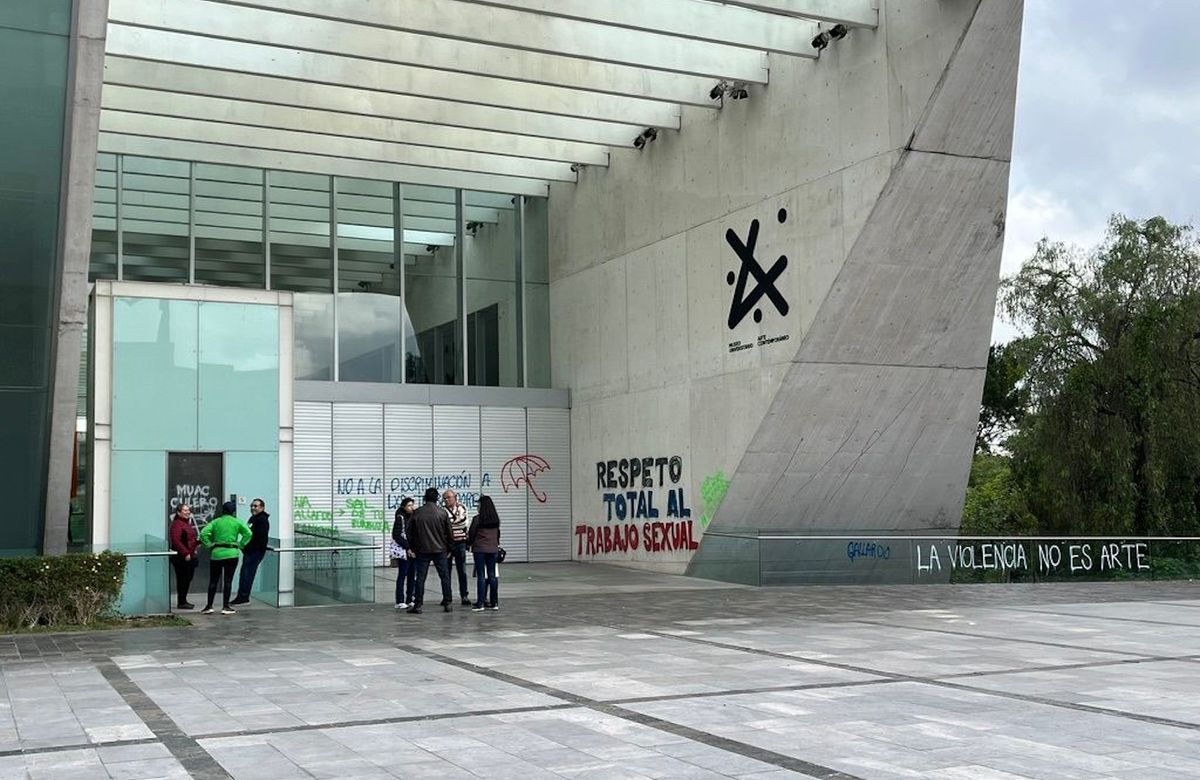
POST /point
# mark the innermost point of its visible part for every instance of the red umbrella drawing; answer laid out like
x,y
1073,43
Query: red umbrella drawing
x,y
522,469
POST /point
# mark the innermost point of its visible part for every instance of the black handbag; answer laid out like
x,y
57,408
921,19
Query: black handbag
x,y
500,554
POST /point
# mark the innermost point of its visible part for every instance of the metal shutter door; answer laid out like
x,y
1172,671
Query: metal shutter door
x,y
407,452
358,473
502,446
312,477
549,436
456,451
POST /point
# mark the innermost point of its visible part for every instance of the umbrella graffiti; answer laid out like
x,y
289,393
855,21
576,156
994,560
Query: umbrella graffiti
x,y
521,470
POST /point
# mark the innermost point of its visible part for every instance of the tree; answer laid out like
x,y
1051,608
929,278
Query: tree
x,y
1005,395
1112,438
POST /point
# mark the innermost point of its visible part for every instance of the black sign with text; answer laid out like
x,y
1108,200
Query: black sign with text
x,y
195,479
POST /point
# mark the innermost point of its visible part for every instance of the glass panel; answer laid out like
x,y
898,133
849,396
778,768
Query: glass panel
x,y
313,336
228,220
302,261
239,377
47,16
301,257
493,317
333,576
536,257
104,220
154,219
154,346
33,75
266,582
432,354
368,308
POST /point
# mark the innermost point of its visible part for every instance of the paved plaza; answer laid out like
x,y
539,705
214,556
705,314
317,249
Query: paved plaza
x,y
599,672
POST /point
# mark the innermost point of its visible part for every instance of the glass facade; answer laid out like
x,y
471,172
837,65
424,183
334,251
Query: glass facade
x,y
33,80
393,283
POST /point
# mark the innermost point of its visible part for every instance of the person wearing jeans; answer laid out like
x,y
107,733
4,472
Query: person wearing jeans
x,y
256,549
406,567
458,549
484,538
429,536
224,537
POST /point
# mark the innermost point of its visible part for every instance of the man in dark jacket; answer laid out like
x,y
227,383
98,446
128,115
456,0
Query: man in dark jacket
x,y
255,550
430,538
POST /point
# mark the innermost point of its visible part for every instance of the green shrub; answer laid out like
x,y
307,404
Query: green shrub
x,y
57,591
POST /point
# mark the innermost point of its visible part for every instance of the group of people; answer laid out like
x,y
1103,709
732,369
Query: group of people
x,y
438,534
441,535
227,538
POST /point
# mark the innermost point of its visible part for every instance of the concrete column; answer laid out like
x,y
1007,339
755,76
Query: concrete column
x,y
81,134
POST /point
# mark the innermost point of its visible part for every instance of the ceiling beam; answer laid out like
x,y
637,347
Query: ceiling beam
x,y
271,90
318,143
517,30
343,37
241,57
169,148
852,13
254,114
696,19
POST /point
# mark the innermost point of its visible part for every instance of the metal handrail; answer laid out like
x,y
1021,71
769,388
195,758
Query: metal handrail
x,y
926,537
324,549
148,553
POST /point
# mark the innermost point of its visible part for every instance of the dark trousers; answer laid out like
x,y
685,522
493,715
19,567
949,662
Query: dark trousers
x,y
184,571
443,570
221,571
250,561
458,559
487,584
406,580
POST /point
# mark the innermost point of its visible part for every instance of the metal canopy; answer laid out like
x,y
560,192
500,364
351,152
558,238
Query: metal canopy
x,y
492,95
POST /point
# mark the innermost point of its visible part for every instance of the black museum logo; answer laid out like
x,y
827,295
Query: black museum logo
x,y
764,285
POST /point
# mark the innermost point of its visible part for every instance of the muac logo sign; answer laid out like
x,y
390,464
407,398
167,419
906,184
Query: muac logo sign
x,y
745,301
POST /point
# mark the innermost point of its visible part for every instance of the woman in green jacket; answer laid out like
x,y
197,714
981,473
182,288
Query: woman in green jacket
x,y
224,537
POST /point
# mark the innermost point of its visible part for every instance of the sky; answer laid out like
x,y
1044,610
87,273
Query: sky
x,y
1108,120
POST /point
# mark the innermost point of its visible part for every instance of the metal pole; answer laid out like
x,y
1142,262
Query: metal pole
x,y
398,260
522,368
333,248
266,228
460,258
120,226
191,274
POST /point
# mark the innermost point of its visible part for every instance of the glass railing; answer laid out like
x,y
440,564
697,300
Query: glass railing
x,y
314,570
306,570
769,558
147,586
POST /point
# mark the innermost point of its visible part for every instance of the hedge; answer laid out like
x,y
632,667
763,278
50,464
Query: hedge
x,y
59,591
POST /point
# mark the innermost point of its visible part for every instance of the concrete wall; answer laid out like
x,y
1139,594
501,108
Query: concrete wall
x,y
887,319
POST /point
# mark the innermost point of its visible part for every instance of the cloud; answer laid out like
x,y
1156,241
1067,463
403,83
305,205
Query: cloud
x,y
1106,114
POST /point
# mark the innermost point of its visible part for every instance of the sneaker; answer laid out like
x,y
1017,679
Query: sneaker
x,y
206,611
238,601
401,605
466,602
185,606
477,608
228,611
447,608
494,607
415,609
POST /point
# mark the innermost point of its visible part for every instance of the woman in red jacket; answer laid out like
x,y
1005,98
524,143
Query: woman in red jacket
x,y
184,541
